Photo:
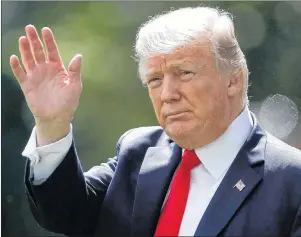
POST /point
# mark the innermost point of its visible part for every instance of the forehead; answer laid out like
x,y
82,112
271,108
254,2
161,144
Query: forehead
x,y
195,54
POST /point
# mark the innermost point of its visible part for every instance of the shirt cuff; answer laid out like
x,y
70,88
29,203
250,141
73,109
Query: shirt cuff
x,y
45,159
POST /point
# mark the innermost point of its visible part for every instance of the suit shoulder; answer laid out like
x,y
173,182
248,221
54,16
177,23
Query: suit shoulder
x,y
141,135
283,166
280,154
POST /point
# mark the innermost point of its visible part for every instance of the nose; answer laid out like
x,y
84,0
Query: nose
x,y
170,90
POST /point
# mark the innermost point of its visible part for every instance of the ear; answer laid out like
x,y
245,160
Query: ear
x,y
235,83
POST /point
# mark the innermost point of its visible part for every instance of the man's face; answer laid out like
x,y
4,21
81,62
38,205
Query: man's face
x,y
188,94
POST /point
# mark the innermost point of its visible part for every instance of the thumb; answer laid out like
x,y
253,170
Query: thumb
x,y
74,68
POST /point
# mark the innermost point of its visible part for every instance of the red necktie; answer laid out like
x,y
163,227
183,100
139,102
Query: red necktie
x,y
171,216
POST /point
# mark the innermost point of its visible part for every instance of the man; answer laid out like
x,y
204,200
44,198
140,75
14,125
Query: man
x,y
209,170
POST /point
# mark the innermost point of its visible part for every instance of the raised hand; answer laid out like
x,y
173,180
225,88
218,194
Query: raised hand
x,y
52,92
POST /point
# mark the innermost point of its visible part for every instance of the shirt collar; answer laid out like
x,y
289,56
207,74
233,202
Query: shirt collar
x,y
219,155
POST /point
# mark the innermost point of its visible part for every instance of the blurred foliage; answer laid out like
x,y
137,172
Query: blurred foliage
x,y
113,99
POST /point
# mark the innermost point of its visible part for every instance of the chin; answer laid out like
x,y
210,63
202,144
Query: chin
x,y
179,130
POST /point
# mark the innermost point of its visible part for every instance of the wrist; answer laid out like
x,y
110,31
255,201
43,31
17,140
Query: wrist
x,y
51,131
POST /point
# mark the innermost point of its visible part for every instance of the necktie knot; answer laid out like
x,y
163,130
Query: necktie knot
x,y
190,159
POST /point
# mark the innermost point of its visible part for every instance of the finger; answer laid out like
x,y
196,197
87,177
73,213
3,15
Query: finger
x,y
26,55
51,46
35,44
17,69
74,68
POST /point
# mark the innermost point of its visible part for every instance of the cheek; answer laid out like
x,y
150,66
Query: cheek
x,y
157,105
216,105
207,99
200,94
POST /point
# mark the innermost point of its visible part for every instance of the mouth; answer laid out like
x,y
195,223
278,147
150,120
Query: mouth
x,y
175,115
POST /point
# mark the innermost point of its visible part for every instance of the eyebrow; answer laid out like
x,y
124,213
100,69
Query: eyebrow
x,y
172,64
152,72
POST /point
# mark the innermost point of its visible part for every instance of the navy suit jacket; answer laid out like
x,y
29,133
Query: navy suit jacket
x,y
124,196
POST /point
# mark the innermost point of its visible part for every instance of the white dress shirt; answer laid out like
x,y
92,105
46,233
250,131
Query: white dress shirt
x,y
216,159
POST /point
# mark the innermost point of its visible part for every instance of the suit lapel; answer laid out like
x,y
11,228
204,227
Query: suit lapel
x,y
155,175
228,198
248,168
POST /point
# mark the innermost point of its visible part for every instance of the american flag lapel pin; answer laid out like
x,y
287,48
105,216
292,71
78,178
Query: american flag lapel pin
x,y
239,185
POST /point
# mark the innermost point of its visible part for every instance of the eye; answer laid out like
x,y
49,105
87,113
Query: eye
x,y
184,73
154,82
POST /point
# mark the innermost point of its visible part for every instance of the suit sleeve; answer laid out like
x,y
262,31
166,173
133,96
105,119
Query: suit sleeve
x,y
296,228
45,159
69,201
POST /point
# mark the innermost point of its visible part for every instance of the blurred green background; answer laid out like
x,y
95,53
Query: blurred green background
x,y
114,100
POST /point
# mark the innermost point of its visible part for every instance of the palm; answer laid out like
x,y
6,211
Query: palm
x,y
51,91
